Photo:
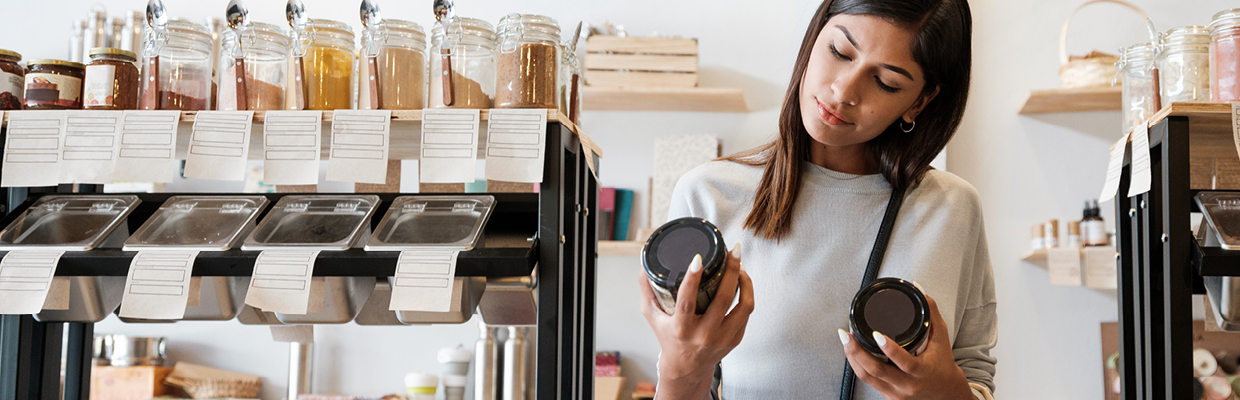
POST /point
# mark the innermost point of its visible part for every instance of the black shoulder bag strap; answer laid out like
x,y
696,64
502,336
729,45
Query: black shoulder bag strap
x,y
871,273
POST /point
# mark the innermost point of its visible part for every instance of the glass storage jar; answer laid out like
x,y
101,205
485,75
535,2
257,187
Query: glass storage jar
x,y
184,69
1225,56
1184,65
12,81
1140,91
328,65
265,49
111,80
570,83
54,84
527,63
401,48
471,43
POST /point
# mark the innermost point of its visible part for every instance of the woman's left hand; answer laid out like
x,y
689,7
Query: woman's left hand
x,y
933,374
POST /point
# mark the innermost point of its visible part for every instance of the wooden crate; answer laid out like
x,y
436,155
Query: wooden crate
x,y
613,61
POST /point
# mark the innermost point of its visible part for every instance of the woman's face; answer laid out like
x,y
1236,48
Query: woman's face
x,y
860,78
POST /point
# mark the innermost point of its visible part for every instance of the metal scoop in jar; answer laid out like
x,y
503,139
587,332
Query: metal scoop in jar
x,y
445,12
295,13
372,22
236,16
157,19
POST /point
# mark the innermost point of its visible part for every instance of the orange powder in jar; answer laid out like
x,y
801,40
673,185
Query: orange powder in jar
x,y
329,76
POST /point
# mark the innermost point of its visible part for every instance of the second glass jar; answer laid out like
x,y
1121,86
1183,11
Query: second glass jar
x,y
528,62
1184,65
402,67
1140,92
265,49
1225,56
329,66
184,81
111,80
471,46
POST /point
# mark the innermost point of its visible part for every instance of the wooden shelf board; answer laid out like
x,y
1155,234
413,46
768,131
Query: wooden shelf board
x,y
1034,255
620,248
664,99
1072,100
1202,116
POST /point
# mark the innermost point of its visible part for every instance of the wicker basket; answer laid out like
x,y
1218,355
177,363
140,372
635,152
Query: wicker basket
x,y
1096,69
217,388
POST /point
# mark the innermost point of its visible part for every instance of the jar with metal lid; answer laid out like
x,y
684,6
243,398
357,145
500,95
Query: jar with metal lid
x,y
183,52
400,49
112,81
328,65
1184,65
471,53
527,64
54,84
12,80
265,49
1140,89
1225,56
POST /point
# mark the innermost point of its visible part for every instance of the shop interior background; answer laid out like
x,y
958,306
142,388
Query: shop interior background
x,y
1026,169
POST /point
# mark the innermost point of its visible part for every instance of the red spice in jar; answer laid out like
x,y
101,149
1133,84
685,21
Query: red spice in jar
x,y
1225,56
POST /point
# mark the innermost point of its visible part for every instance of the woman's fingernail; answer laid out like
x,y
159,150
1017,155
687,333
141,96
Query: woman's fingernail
x,y
843,337
696,265
736,250
880,339
918,285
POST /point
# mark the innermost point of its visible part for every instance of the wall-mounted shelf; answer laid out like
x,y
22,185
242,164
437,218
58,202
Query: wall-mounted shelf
x,y
1034,255
1072,100
663,99
620,248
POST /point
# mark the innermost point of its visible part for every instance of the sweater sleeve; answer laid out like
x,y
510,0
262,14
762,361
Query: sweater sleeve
x,y
978,330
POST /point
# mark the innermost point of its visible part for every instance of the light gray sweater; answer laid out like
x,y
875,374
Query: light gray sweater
x,y
803,285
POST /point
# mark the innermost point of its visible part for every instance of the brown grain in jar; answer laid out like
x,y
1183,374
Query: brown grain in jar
x,y
527,63
111,80
54,84
12,81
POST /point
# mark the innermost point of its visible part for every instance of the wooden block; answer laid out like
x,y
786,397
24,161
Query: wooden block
x,y
664,99
128,383
441,187
608,387
1072,100
617,79
641,45
391,184
297,188
642,62
494,186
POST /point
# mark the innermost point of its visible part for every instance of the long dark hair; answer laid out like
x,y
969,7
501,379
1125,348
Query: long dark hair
x,y
941,46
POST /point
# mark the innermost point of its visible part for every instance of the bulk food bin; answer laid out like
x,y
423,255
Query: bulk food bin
x,y
322,222
75,223
431,223
1222,229
203,223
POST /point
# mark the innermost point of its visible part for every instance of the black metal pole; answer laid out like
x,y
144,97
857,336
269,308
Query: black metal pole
x,y
1176,234
78,354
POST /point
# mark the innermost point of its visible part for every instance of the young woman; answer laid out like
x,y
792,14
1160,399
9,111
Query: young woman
x,y
878,89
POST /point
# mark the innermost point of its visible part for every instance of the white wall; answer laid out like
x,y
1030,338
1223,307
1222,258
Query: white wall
x,y
1026,168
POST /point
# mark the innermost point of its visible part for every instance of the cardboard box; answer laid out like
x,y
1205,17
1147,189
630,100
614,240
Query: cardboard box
x,y
128,383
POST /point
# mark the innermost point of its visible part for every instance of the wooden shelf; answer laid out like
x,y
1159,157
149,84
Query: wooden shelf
x,y
664,99
1072,100
620,248
1034,255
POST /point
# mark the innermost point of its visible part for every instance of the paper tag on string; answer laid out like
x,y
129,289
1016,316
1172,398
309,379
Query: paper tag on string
x,y
1140,175
1115,169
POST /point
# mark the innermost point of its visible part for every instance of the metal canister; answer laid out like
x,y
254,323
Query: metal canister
x,y
130,351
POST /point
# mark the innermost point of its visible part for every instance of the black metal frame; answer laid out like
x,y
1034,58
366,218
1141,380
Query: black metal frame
x,y
564,254
1160,268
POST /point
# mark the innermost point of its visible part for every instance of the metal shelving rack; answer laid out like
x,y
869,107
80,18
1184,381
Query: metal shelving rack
x,y
563,253
1160,263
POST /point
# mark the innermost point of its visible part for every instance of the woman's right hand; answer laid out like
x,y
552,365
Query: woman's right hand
x,y
692,344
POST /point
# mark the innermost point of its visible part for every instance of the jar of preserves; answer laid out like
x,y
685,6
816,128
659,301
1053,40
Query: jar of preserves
x,y
111,80
184,55
527,64
12,81
1184,65
400,47
54,84
1140,92
1225,56
328,65
264,48
471,52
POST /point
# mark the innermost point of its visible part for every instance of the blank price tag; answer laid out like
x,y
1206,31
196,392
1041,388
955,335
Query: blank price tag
x,y
449,148
26,279
89,150
1115,168
158,285
516,145
291,141
219,145
281,281
359,146
32,148
1140,178
423,280
148,146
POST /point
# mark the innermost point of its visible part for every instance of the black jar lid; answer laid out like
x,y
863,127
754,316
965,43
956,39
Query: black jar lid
x,y
894,307
671,248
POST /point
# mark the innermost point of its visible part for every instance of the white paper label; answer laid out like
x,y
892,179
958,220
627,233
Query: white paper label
x,y
219,145
148,146
25,279
1115,168
1235,124
1064,265
1095,232
281,281
1139,182
158,285
32,148
423,281
516,145
291,141
359,148
100,85
89,153
1101,270
449,151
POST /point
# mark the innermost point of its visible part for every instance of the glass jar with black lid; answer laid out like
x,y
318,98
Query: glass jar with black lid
x,y
668,253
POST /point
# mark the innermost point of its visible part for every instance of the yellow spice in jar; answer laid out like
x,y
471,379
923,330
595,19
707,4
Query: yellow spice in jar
x,y
329,77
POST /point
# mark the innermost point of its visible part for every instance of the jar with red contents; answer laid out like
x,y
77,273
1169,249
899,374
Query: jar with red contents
x,y
1225,56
